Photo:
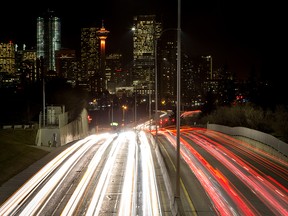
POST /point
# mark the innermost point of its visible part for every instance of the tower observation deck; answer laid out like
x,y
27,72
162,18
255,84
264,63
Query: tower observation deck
x,y
102,35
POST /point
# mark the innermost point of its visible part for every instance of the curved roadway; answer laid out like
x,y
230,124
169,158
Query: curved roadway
x,y
221,175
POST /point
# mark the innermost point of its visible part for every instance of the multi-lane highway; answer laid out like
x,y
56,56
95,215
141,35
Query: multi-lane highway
x,y
104,174
128,173
225,176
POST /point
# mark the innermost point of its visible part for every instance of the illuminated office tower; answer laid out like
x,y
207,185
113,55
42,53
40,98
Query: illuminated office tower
x,y
26,64
146,30
66,64
90,76
48,39
116,75
102,35
167,66
7,58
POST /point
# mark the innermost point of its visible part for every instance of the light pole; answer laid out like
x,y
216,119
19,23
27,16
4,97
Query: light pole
x,y
112,113
135,107
156,79
177,191
156,91
150,104
123,114
178,105
44,102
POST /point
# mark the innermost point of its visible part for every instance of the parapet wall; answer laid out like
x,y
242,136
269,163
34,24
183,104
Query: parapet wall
x,y
258,139
58,136
75,130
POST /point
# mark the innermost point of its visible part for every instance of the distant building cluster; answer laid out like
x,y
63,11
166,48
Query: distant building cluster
x,y
97,71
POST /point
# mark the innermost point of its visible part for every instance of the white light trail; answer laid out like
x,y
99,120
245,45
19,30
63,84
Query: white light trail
x,y
151,203
129,188
55,180
15,201
99,193
79,191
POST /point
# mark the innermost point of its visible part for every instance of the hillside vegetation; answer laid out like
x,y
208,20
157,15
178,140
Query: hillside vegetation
x,y
274,122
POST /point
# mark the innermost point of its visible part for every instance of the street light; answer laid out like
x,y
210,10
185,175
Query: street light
x,y
177,191
150,103
112,112
178,105
135,106
123,114
156,79
156,92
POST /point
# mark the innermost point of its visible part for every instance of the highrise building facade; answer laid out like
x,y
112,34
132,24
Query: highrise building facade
x,y
116,76
167,67
7,58
48,39
90,59
66,63
146,30
26,65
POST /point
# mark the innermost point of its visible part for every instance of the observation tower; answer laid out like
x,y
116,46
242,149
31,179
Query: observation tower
x,y
102,35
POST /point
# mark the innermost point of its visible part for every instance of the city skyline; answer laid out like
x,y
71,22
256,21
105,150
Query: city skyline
x,y
242,37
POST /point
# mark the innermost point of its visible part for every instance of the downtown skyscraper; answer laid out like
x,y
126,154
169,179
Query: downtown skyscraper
x,y
48,39
146,31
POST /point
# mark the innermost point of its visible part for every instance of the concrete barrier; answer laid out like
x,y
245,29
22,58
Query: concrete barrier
x,y
258,139
59,136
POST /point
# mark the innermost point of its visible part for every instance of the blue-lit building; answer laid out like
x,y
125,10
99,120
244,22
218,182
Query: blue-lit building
x,y
48,39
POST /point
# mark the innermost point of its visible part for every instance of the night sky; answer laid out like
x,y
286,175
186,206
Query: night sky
x,y
245,36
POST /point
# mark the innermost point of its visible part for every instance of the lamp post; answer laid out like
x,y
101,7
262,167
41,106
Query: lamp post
x,y
44,101
123,114
112,113
156,79
150,104
178,105
177,191
135,107
156,92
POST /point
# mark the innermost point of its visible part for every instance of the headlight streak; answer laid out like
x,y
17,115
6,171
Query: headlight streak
x,y
79,191
99,193
151,203
55,180
14,202
266,191
193,160
129,189
59,168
